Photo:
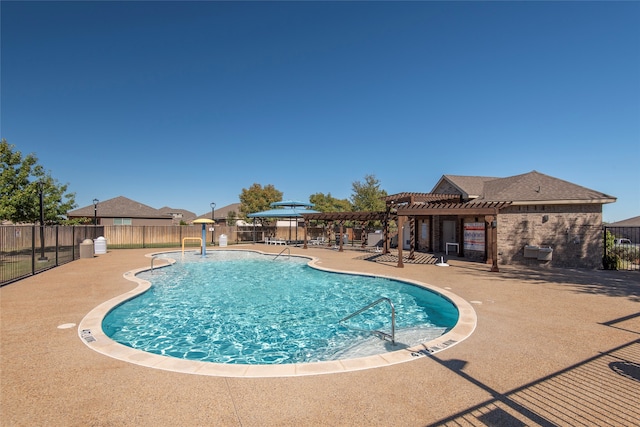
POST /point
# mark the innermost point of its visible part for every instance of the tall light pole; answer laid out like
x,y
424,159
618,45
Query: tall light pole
x,y
41,191
213,210
95,216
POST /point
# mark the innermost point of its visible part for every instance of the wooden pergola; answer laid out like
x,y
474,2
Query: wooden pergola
x,y
488,210
409,206
341,218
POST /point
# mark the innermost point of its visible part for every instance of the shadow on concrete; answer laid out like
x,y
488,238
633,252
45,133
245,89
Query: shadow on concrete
x,y
601,390
392,258
602,282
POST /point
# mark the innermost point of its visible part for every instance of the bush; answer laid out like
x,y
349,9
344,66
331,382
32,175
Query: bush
x,y
610,262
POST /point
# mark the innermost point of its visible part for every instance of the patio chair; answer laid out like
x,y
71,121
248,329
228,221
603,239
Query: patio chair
x,y
317,241
376,247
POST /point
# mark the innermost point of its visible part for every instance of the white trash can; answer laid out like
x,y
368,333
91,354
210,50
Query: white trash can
x,y
100,245
222,241
86,248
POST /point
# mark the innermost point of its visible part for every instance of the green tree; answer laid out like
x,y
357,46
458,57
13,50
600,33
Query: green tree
x,y
21,181
328,203
232,218
257,199
83,221
367,195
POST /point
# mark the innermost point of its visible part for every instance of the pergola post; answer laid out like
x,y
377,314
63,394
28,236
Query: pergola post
x,y
400,224
304,225
491,227
385,227
341,236
412,233
494,246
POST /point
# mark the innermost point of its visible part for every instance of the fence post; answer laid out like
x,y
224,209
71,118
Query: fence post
x,y
33,249
604,247
57,245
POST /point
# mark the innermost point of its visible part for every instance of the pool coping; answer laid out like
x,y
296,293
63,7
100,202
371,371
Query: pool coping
x,y
91,333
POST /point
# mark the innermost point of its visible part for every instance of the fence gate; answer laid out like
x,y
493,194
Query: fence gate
x,y
621,248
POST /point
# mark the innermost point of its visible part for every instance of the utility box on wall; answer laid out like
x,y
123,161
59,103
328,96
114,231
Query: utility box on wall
x,y
536,252
545,254
531,251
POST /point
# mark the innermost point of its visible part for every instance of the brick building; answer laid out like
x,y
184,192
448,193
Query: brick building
x,y
536,219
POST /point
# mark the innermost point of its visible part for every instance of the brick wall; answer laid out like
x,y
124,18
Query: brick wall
x,y
574,232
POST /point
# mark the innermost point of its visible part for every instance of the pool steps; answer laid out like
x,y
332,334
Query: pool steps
x,y
380,334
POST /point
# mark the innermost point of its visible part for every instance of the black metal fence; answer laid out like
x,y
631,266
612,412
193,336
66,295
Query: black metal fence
x,y
621,248
29,249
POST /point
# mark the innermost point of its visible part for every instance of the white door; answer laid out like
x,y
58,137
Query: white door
x,y
449,232
406,234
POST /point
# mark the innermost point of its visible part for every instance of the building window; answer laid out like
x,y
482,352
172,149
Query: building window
x,y
121,221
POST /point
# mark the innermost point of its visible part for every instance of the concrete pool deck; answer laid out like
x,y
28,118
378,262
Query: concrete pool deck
x,y
551,347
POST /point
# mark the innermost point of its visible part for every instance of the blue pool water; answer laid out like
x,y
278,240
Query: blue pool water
x,y
243,307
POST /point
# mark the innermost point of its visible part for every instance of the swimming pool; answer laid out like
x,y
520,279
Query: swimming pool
x,y
242,307
90,329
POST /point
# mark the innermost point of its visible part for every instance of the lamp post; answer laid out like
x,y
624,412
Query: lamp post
x,y
95,216
41,191
213,210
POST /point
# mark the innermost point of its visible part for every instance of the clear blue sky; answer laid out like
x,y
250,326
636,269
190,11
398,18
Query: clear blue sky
x,y
183,103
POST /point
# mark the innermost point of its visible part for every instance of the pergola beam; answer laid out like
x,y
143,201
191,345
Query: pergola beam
x,y
414,205
471,209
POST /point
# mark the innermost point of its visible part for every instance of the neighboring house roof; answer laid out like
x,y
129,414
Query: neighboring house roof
x,y
119,207
528,188
629,222
221,213
182,214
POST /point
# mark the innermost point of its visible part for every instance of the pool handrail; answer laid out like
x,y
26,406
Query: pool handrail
x,y
190,238
285,249
380,334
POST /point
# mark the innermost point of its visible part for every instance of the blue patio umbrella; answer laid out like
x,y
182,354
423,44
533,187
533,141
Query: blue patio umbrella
x,y
285,209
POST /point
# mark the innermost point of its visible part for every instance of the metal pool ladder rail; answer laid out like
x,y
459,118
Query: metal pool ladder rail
x,y
383,335
285,249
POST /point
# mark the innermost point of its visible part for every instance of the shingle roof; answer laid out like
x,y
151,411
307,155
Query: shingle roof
x,y
221,213
629,222
186,215
537,187
472,186
119,207
533,187
419,197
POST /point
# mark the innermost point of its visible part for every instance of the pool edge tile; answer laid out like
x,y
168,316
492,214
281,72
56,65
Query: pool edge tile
x,y
99,342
